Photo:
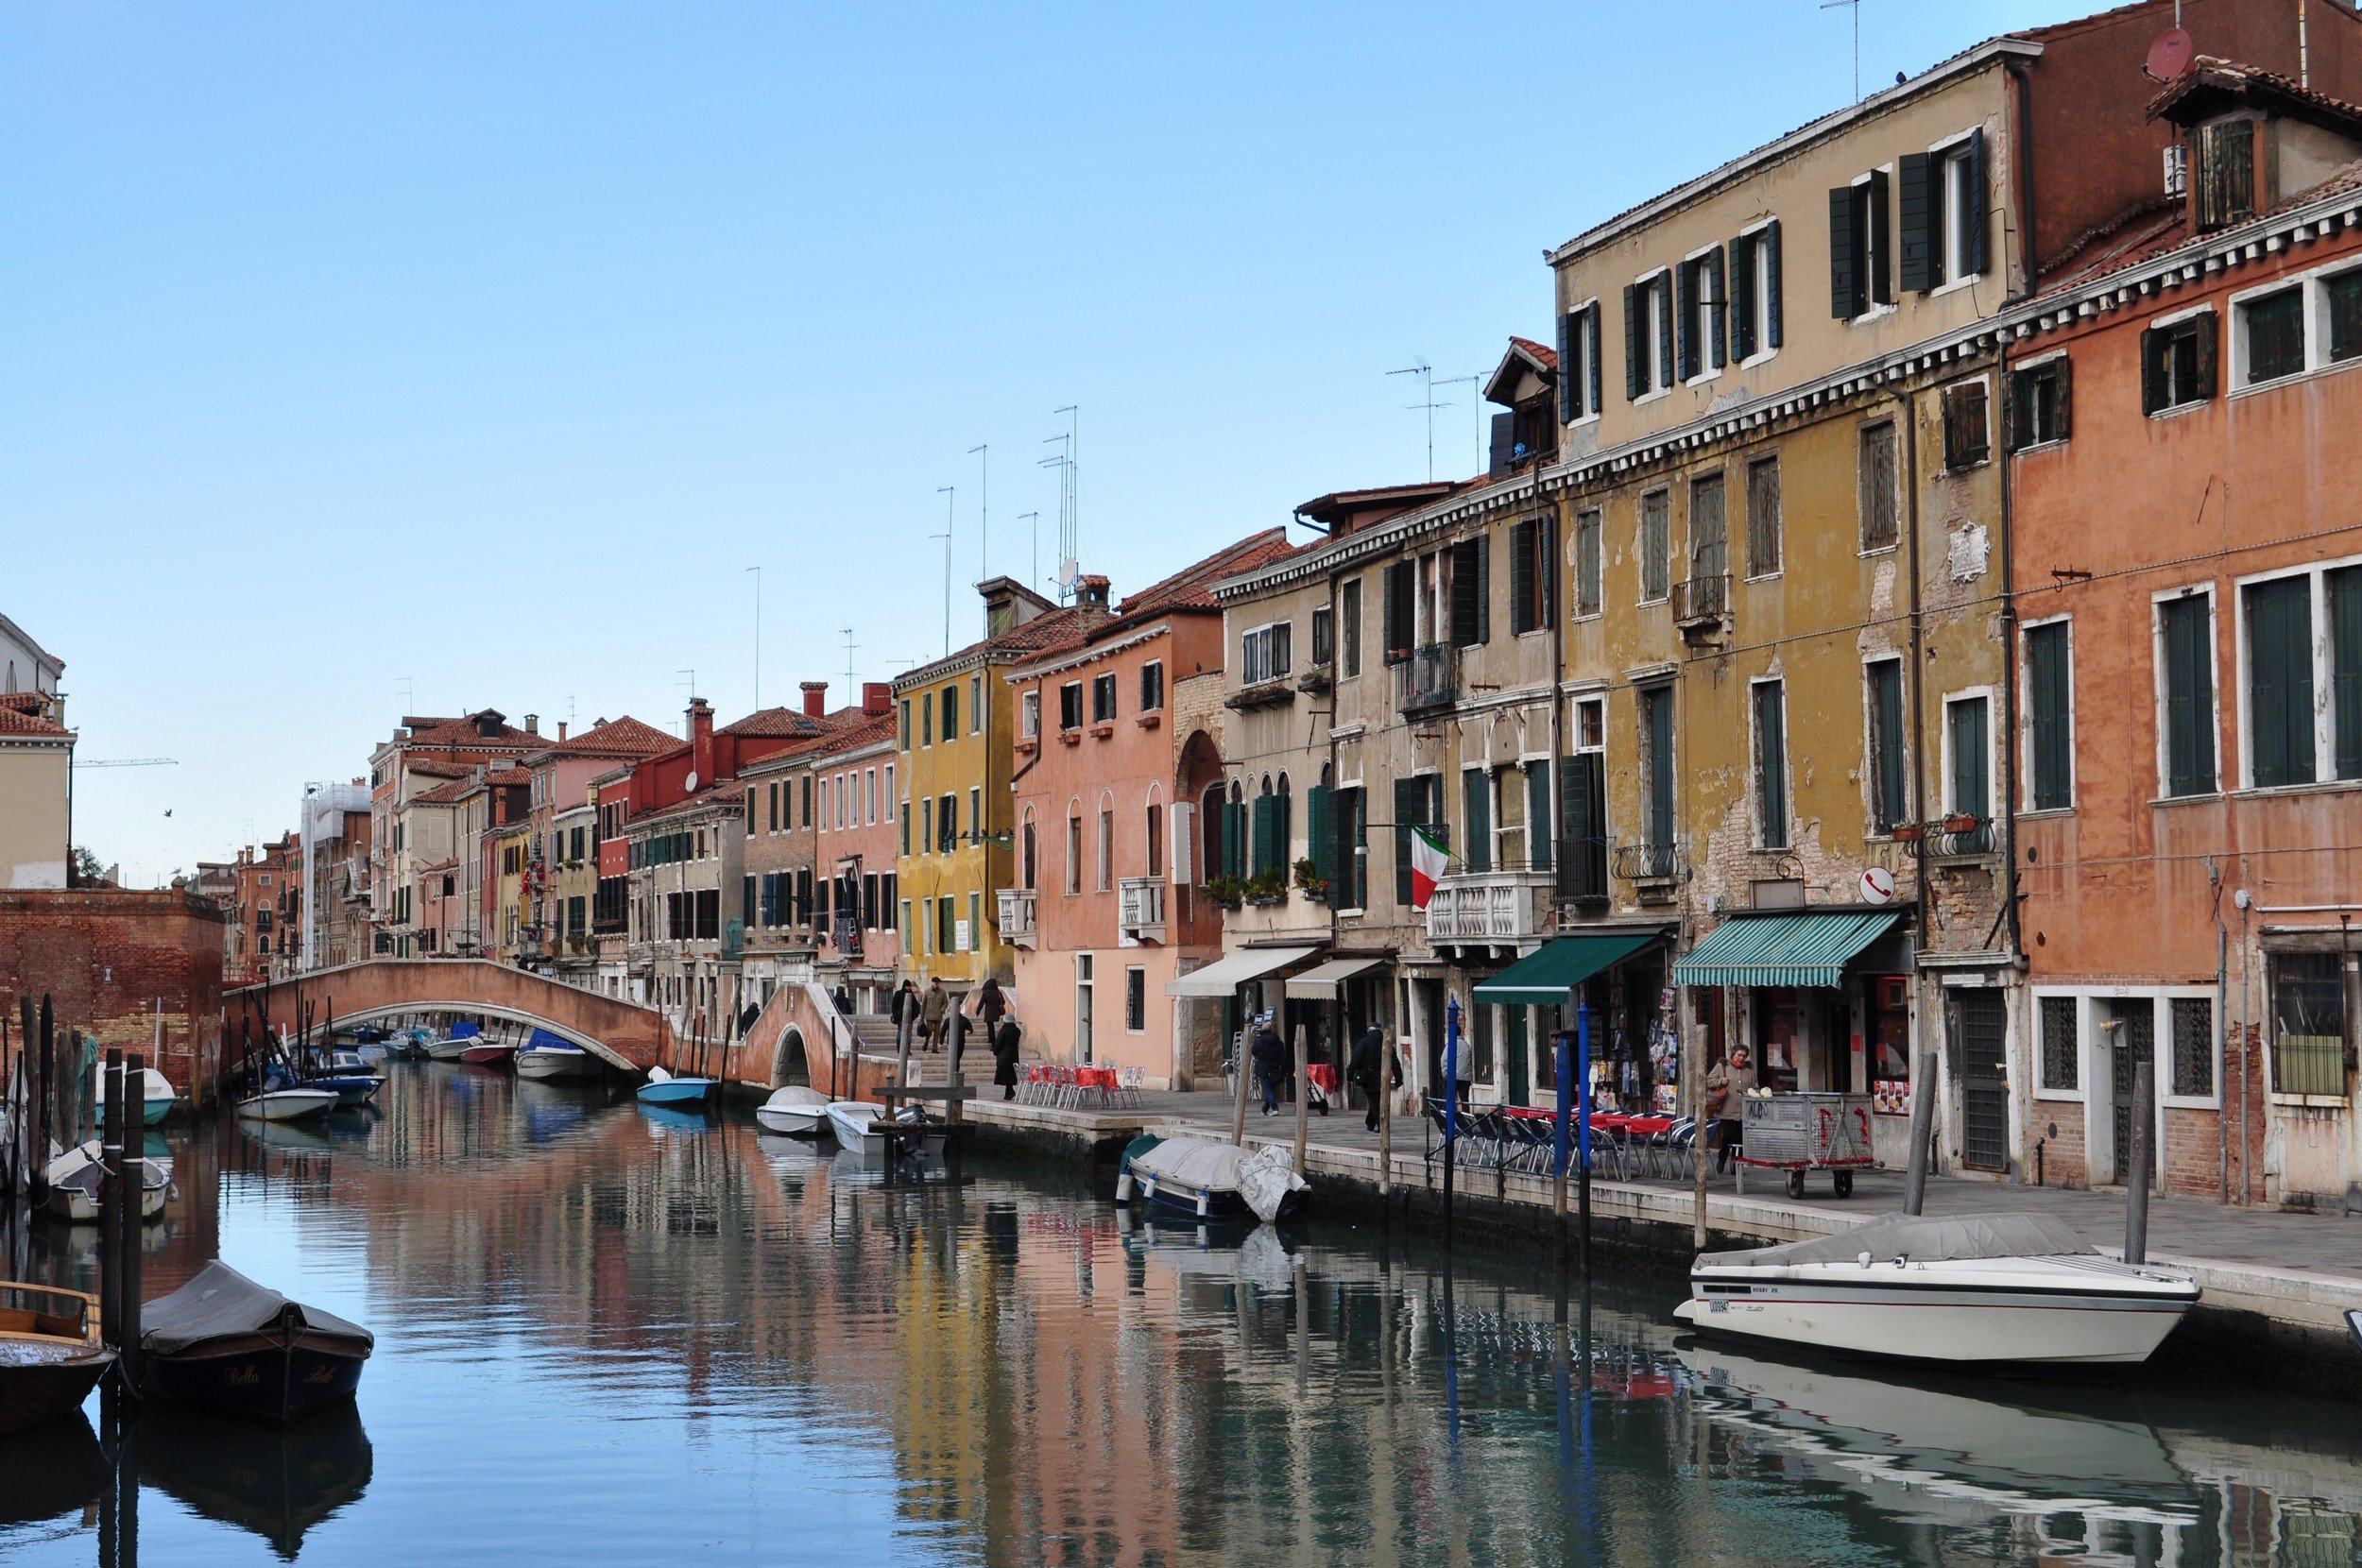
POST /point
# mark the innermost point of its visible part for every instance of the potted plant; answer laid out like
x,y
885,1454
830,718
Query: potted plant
x,y
1310,880
1267,886
1224,890
1905,832
1960,821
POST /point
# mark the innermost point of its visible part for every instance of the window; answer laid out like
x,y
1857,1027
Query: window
x,y
2185,679
1418,803
1771,713
1071,705
1763,518
2059,1061
976,704
1029,715
1709,545
2049,716
926,823
975,923
1657,778
926,719
2272,331
905,848
1581,850
1579,362
1471,590
1399,611
1107,846
1152,686
1103,699
1587,594
1700,346
2308,1024
1265,653
947,933
1890,768
1082,968
1648,336
2288,663
2178,363
947,823
1967,736
2041,399
1967,439
1074,849
1755,291
976,813
2343,296
1879,501
2193,1023
1941,208
1656,546
1349,615
950,712
1136,1001
902,728
1349,872
2226,173
1858,274
807,791
1529,576
1153,822
1324,635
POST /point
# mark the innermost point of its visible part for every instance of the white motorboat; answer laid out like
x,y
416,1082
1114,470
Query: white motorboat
x,y
73,1182
796,1111
2353,1322
156,1096
1209,1179
287,1105
543,1060
864,1129
1977,1289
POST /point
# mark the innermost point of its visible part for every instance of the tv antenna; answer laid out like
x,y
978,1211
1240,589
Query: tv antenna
x,y
847,632
692,680
1854,6
950,498
982,451
1064,462
758,572
1033,578
409,695
1070,513
1427,400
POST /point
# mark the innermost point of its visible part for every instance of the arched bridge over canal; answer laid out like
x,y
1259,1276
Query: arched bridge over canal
x,y
623,1033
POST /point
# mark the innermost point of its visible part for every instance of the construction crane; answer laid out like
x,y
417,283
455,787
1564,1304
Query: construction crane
x,y
133,762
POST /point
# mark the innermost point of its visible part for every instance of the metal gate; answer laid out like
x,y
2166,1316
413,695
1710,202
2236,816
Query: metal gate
x,y
2135,1041
1984,1090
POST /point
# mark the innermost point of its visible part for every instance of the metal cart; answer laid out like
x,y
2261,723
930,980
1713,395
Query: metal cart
x,y
1806,1132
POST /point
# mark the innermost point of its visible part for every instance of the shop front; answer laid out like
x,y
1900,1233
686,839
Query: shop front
x,y
1619,977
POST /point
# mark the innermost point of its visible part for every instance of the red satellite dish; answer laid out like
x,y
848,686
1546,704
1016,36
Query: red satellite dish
x,y
2169,56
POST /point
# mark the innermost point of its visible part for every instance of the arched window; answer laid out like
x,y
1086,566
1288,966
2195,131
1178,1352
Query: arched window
x,y
1074,847
1106,840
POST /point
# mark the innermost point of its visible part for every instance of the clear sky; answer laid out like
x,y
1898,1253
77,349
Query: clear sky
x,y
374,358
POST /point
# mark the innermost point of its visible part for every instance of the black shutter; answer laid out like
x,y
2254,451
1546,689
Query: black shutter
x,y
1520,577
1545,569
1687,350
1973,210
1918,222
2064,368
1410,810
1570,390
1844,267
1538,834
1742,273
1772,283
2155,345
1634,341
1504,446
1485,587
1718,312
1591,351
1664,288
1462,557
1476,802
1881,276
2203,382
1398,617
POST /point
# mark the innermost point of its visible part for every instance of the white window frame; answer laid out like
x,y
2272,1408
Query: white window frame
x,y
1588,322
1994,773
1754,769
1876,243
2091,1047
2025,709
1085,985
1248,653
2161,705
1953,151
1707,369
1759,263
2324,710
1029,714
2232,360
2175,318
1655,297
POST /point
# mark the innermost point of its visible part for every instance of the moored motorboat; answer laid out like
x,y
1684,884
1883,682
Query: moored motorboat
x,y
855,1124
488,1053
1208,1179
229,1344
50,1354
662,1088
1989,1290
347,1077
281,1099
157,1096
546,1056
799,1111
449,1046
75,1178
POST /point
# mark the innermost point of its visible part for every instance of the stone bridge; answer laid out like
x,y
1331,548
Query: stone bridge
x,y
622,1034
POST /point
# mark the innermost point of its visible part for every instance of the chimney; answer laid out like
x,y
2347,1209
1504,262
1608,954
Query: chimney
x,y
1090,598
877,696
533,723
561,732
701,740
815,698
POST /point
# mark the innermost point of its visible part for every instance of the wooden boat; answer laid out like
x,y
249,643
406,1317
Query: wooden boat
x,y
1996,1289
546,1056
2353,1322
662,1088
157,1096
799,1111
50,1356
226,1343
487,1053
1208,1180
73,1183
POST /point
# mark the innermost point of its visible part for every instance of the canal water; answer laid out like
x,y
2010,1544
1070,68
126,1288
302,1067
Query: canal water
x,y
612,1336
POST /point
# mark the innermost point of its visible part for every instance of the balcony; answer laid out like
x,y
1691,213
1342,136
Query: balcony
x,y
846,936
1489,908
1654,870
1428,679
1139,910
1702,603
1960,837
1017,923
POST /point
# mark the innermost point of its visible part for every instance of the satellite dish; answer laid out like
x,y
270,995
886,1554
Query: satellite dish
x,y
2169,56
690,782
1067,572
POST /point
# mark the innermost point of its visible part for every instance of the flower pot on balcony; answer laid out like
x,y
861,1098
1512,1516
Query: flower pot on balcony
x,y
1905,832
1960,823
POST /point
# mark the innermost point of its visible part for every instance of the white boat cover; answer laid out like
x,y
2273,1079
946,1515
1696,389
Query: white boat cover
x,y
1957,1237
795,1098
220,1300
1263,1178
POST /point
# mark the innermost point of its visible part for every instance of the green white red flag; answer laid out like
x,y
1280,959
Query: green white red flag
x,y
1427,861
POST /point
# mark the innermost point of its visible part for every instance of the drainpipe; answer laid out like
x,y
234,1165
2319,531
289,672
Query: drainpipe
x,y
2222,945
1915,660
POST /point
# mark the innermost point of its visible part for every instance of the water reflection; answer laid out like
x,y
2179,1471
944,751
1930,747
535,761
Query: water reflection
x,y
805,1356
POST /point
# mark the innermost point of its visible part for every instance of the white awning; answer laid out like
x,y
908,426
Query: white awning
x,y
1227,973
1320,983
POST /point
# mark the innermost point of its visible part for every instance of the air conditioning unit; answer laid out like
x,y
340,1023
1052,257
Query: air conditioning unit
x,y
2178,170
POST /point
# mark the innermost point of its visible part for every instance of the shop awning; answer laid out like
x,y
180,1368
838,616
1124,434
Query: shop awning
x,y
1783,949
1543,977
1320,983
1227,973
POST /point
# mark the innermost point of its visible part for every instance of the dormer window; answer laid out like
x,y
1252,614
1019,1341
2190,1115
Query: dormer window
x,y
2223,192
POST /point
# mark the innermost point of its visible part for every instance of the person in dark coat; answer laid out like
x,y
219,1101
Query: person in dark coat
x,y
990,1004
1270,1063
1362,1071
1006,1038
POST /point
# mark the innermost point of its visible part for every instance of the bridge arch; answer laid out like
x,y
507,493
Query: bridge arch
x,y
790,1064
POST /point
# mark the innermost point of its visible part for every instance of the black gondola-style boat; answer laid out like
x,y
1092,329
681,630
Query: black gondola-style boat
x,y
223,1342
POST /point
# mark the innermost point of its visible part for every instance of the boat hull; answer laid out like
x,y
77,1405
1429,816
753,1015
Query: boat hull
x,y
259,1376
287,1105
1203,1204
677,1092
546,1064
76,1207
486,1056
448,1050
155,1110
796,1121
351,1091
45,1392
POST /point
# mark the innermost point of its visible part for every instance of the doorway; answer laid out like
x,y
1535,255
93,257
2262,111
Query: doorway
x,y
1984,1090
1513,1032
2128,1048
1081,1007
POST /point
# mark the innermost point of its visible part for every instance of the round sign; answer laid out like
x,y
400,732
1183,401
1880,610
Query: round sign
x,y
1877,885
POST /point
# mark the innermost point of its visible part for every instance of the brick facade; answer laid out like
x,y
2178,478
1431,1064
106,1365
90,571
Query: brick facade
x,y
107,957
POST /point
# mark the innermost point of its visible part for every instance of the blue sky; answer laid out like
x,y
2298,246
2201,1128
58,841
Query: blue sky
x,y
446,356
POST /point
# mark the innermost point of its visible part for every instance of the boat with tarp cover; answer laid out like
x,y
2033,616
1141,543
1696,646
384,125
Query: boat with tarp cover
x,y
226,1343
1206,1180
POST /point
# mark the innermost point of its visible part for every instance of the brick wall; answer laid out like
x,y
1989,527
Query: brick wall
x,y
108,957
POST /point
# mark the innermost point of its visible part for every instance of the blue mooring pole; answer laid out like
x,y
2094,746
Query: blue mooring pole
x,y
1582,1123
1562,1132
1451,1103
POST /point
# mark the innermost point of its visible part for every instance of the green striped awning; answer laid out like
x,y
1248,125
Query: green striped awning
x,y
1543,976
1783,949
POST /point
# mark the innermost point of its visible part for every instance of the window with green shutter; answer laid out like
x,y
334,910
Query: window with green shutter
x,y
1416,801
2280,682
2344,591
2050,733
1538,816
1268,845
1320,835
1583,826
1475,794
1969,730
1657,742
2186,638
1889,778
1771,763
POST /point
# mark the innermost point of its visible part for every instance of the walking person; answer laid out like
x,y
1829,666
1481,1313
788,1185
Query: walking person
x,y
1728,1082
1271,1062
955,1037
1362,1072
930,1009
1007,1037
991,1003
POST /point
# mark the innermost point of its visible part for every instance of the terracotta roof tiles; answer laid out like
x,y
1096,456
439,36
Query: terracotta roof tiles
x,y
14,720
623,737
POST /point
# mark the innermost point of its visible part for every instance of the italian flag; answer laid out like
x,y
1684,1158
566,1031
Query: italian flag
x,y
1427,861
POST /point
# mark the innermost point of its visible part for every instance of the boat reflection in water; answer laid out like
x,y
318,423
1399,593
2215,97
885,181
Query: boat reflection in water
x,y
279,1482
55,1473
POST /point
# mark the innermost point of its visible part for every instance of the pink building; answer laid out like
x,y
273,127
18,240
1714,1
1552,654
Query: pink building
x,y
855,841
1116,740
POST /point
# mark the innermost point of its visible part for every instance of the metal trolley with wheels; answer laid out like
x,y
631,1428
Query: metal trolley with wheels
x,y
1806,1132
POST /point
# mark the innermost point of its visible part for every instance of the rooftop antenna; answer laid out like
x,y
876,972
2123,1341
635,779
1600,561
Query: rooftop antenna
x,y
691,676
758,572
849,645
1476,413
1070,538
982,451
1854,6
1064,462
1034,573
1427,400
409,695
950,498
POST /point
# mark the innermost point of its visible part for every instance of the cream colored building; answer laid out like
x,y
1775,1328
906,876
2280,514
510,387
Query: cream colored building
x,y
36,766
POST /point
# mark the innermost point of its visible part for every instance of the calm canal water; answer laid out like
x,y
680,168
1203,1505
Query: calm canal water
x,y
617,1336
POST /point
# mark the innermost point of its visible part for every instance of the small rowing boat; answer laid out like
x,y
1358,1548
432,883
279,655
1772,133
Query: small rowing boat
x,y
799,1111
50,1354
75,1178
281,1099
662,1088
157,1096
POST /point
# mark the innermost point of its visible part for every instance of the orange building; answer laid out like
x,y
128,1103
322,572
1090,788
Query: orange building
x,y
2185,566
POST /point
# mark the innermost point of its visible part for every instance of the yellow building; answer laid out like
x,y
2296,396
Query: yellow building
x,y
955,733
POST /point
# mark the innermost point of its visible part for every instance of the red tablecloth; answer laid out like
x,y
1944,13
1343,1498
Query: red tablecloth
x,y
1324,1077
